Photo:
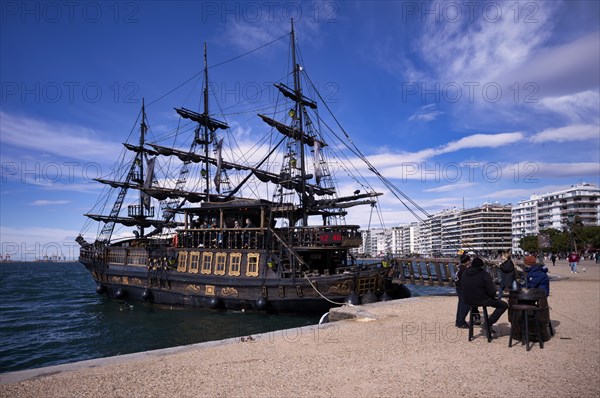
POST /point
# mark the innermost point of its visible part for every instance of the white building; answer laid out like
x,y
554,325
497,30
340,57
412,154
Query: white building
x,y
489,228
524,221
555,210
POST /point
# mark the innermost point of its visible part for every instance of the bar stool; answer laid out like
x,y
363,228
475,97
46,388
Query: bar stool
x,y
485,320
523,309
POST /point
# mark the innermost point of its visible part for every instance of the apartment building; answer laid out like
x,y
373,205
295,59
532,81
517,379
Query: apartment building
x,y
486,229
555,210
489,228
524,220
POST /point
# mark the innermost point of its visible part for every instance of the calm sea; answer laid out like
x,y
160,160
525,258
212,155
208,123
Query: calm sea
x,y
50,314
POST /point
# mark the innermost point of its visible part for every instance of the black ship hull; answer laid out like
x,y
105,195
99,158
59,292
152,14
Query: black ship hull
x,y
317,293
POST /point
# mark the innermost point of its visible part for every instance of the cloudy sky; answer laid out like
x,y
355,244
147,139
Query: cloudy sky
x,y
458,103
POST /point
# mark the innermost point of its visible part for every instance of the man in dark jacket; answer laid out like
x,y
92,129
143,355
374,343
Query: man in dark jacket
x,y
462,309
479,289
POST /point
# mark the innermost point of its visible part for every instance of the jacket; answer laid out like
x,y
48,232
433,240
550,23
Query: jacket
x,y
461,270
537,277
477,286
507,274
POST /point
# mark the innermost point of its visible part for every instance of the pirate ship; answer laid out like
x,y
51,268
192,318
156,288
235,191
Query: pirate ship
x,y
226,231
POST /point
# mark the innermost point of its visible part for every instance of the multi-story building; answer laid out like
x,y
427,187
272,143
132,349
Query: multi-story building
x,y
403,239
376,242
489,228
483,229
486,229
524,220
450,239
558,209
555,210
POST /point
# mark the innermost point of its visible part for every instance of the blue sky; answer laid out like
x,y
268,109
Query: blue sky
x,y
458,103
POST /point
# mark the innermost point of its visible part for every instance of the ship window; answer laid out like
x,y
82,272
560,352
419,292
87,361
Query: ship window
x,y
182,262
137,257
366,284
220,263
252,269
234,264
117,256
206,263
194,262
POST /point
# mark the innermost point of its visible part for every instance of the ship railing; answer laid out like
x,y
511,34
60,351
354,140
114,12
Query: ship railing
x,y
224,238
435,271
321,236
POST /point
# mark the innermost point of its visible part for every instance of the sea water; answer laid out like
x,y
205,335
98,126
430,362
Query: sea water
x,y
50,314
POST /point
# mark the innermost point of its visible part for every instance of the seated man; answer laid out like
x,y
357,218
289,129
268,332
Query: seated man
x,y
537,275
479,289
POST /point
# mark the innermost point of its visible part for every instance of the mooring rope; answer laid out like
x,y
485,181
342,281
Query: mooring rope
x,y
319,293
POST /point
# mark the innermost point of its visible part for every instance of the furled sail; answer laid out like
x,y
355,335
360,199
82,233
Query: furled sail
x,y
291,132
287,92
202,118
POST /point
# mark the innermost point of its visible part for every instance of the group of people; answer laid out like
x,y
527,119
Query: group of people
x,y
213,224
475,287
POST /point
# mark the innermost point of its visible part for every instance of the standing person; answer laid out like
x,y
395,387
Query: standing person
x,y
508,276
553,258
537,275
573,260
479,289
462,309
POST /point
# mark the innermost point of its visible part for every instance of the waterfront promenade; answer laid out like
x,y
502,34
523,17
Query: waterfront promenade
x,y
403,348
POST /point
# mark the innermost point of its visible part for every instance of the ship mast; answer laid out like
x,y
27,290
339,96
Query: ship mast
x,y
143,129
205,132
299,110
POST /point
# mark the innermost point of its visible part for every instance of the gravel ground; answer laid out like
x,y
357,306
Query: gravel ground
x,y
407,348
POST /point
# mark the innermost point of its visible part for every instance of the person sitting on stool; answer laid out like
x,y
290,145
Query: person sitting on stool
x,y
479,289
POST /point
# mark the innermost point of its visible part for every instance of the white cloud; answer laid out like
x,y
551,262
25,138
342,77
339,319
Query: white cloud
x,y
411,165
248,36
482,141
582,107
426,113
472,51
532,172
451,187
44,202
561,70
579,132
69,141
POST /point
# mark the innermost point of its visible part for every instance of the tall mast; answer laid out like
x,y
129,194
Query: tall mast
x,y
299,115
143,129
206,134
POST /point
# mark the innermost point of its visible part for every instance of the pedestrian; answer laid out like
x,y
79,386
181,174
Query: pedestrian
x,y
462,309
553,258
479,290
508,276
573,260
537,275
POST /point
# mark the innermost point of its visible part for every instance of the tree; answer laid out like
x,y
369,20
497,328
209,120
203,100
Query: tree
x,y
559,240
529,244
589,238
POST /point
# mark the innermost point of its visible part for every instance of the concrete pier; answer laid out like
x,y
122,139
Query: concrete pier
x,y
407,348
